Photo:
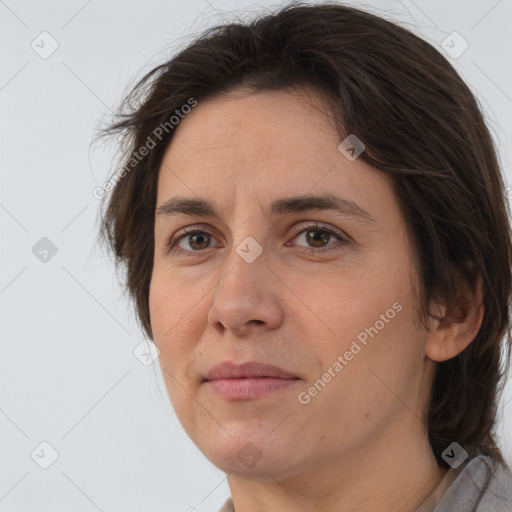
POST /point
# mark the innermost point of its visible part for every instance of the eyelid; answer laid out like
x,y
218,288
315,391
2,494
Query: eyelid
x,y
313,224
189,230
297,230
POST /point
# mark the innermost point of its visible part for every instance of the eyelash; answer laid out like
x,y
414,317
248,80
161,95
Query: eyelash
x,y
314,226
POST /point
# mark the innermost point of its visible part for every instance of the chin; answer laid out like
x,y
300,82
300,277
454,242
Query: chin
x,y
254,458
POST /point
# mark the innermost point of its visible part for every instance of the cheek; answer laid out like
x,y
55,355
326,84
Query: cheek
x,y
338,308
174,321
375,381
161,312
174,330
385,370
367,318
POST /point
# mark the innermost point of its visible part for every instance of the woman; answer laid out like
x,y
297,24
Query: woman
x,y
313,223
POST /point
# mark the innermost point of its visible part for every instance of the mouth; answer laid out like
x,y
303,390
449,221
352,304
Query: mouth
x,y
248,388
248,381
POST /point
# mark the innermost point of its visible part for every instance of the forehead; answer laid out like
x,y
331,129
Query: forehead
x,y
262,145
250,126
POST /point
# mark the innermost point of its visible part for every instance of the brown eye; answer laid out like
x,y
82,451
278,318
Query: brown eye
x,y
192,240
198,241
319,239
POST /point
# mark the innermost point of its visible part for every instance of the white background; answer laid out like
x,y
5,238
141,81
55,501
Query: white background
x,y
68,375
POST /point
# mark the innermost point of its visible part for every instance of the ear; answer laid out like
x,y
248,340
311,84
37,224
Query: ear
x,y
458,326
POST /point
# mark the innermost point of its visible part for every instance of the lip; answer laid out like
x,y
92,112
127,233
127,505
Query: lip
x,y
250,369
248,380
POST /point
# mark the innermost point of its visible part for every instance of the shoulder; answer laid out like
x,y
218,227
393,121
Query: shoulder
x,y
498,496
483,485
228,506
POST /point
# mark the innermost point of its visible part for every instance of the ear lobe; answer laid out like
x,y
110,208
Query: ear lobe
x,y
458,326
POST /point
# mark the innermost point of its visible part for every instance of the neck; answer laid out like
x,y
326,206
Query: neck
x,y
395,473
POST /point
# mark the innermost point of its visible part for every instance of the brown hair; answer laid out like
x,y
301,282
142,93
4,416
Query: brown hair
x,y
420,124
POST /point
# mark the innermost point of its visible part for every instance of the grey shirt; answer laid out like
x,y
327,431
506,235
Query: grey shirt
x,y
469,488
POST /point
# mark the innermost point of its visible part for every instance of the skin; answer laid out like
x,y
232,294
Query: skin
x,y
359,444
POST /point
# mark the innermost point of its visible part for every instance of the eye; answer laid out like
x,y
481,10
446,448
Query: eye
x,y
196,239
318,237
191,240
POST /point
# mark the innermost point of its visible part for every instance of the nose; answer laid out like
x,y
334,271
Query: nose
x,y
247,296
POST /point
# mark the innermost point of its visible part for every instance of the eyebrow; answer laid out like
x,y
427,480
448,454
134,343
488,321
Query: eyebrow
x,y
203,208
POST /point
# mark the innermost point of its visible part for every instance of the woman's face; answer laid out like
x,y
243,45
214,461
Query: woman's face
x,y
323,293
